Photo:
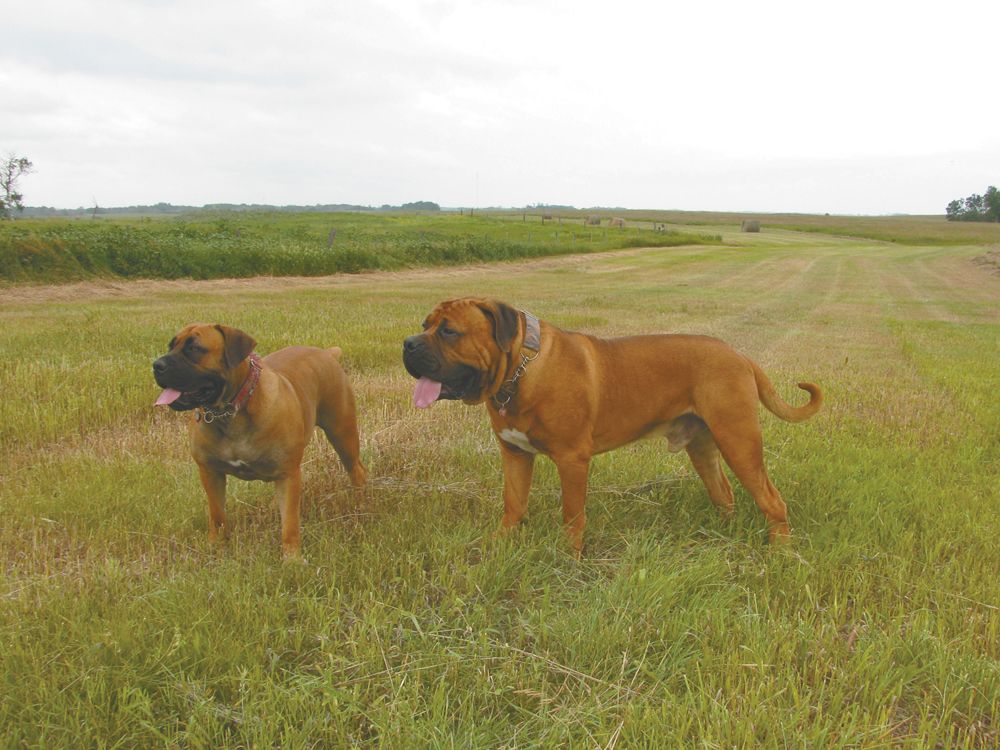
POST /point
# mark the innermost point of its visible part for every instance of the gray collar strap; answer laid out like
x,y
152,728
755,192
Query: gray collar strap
x,y
533,343
532,332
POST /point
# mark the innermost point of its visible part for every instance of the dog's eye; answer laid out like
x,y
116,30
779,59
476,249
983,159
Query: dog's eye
x,y
192,350
448,333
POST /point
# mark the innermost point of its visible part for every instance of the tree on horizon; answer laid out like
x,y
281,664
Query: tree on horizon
x,y
976,207
11,170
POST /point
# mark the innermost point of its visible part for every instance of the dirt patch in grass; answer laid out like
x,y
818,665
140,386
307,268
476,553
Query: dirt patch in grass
x,y
990,261
108,289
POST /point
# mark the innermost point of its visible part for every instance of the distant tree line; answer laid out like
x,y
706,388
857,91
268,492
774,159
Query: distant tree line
x,y
415,206
169,208
976,207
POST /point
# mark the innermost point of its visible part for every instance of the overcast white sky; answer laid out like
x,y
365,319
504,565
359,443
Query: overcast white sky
x,y
847,107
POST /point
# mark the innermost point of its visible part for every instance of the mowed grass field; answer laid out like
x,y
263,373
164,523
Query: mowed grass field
x,y
906,230
878,626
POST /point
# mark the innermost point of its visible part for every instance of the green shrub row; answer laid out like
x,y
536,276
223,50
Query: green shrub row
x,y
65,250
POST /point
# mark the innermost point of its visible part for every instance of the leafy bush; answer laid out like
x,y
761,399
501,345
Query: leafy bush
x,y
241,245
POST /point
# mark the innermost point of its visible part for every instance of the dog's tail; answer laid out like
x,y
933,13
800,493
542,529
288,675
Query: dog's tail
x,y
778,406
336,351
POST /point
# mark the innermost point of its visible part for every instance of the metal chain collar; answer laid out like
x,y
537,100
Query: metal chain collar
x,y
509,387
208,415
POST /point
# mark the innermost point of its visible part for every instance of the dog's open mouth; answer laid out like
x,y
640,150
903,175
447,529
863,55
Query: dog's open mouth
x,y
435,383
168,396
427,391
181,400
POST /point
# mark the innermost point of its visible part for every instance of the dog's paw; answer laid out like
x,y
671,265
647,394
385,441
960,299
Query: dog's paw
x,y
503,533
780,534
292,556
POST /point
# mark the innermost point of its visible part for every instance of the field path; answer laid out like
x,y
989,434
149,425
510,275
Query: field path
x,y
104,289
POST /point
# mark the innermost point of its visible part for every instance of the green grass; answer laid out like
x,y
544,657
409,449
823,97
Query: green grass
x,y
878,627
904,230
238,245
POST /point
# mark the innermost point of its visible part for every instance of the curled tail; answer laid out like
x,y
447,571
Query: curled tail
x,y
778,406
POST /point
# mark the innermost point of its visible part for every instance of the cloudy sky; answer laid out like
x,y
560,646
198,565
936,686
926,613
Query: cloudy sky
x,y
848,107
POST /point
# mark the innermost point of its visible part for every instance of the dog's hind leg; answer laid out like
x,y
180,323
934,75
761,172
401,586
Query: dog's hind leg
x,y
707,461
342,432
747,462
737,433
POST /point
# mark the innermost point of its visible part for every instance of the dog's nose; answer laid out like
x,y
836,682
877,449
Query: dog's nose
x,y
159,366
411,343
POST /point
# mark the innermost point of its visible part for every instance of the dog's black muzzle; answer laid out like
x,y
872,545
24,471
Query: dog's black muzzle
x,y
421,361
418,358
197,388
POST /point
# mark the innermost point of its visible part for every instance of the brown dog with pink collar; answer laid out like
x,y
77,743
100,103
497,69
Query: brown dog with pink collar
x,y
252,417
571,396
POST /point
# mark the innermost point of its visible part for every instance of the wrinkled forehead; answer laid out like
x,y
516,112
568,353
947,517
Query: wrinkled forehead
x,y
453,309
204,333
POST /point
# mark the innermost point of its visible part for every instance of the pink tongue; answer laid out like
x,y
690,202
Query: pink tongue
x,y
168,396
426,392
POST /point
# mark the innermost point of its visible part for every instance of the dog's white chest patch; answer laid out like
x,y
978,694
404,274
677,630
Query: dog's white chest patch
x,y
518,439
238,464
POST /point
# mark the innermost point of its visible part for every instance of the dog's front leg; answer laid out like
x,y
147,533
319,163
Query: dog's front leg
x,y
214,483
287,493
573,470
518,467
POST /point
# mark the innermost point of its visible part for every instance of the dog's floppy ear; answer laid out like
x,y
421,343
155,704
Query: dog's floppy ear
x,y
238,345
505,321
